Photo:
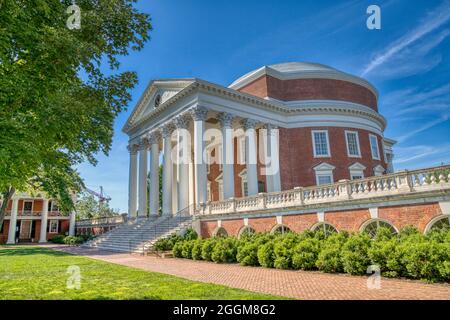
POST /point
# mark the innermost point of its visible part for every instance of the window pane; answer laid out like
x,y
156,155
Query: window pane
x,y
245,189
352,142
320,143
374,147
324,179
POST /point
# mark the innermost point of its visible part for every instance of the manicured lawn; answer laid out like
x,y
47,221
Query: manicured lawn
x,y
39,273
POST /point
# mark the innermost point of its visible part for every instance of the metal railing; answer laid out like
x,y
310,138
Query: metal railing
x,y
399,183
103,221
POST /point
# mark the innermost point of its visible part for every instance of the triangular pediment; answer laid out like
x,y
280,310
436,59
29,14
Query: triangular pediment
x,y
156,94
357,166
323,167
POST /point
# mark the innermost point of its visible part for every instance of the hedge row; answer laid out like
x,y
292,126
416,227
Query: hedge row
x,y
71,240
409,254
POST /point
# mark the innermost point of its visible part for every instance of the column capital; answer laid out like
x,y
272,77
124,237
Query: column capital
x,y
167,129
199,113
153,137
133,148
144,143
226,119
182,121
249,123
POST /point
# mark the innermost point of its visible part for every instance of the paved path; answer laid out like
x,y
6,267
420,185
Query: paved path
x,y
288,283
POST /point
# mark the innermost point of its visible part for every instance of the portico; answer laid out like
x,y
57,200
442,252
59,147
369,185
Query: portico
x,y
183,146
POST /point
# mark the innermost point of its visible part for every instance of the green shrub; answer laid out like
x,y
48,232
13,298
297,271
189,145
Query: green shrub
x,y
186,251
177,249
355,258
282,249
381,252
59,239
305,253
266,255
225,250
197,249
247,254
329,258
190,234
207,248
426,260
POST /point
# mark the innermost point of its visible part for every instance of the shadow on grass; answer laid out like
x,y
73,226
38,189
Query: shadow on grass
x,y
23,251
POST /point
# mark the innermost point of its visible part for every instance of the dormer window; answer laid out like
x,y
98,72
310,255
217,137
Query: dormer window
x,y
157,101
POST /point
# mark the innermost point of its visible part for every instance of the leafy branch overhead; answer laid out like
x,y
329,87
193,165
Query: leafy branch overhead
x,y
61,89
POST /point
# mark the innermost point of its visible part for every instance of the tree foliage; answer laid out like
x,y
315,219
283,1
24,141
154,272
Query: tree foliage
x,y
60,89
87,207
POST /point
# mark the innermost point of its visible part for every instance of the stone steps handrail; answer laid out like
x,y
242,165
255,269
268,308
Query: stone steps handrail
x,y
401,182
101,221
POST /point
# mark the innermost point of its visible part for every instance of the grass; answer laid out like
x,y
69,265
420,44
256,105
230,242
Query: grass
x,y
40,273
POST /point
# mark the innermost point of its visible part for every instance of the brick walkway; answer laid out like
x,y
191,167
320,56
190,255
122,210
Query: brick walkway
x,y
294,284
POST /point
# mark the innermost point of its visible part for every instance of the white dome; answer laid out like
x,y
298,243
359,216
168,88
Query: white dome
x,y
300,66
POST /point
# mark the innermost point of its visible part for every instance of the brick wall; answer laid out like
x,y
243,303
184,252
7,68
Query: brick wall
x,y
418,215
297,157
311,89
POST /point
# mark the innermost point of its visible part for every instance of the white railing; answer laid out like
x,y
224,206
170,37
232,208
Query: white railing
x,y
101,221
404,182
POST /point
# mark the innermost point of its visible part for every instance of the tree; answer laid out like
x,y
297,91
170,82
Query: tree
x,y
60,89
87,207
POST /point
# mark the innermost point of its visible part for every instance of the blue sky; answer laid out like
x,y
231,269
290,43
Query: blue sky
x,y
407,60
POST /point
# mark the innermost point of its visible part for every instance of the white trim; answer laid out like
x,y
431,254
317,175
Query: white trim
x,y
356,169
311,71
50,221
373,213
357,144
434,220
369,221
324,169
243,176
371,146
445,207
320,217
378,170
23,204
328,155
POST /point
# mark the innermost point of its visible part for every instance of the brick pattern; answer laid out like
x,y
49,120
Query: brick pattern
x,y
287,283
297,156
416,215
347,220
310,89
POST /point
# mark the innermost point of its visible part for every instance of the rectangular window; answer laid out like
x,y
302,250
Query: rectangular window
x,y
356,176
374,147
352,144
321,144
53,226
241,146
245,191
324,179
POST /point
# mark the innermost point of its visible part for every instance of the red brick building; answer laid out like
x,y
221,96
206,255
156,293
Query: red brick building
x,y
293,145
34,219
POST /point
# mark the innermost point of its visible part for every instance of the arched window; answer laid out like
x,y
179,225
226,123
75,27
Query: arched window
x,y
371,227
221,232
246,231
326,228
439,223
280,229
157,101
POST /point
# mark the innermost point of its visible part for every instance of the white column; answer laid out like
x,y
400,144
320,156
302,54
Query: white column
x,y
143,178
251,156
167,170
13,222
72,223
132,179
154,174
199,115
226,121
273,169
183,156
44,222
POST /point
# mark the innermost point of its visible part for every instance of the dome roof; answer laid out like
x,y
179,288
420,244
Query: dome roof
x,y
300,70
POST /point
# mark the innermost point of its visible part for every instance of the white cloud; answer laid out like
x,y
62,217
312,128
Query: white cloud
x,y
424,127
435,19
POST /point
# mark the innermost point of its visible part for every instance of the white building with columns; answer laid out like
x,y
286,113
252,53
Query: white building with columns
x,y
275,128
34,218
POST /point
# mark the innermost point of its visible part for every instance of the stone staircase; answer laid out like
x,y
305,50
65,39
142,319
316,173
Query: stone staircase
x,y
138,235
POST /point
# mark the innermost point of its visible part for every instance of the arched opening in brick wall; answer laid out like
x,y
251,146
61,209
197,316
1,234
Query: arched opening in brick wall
x,y
439,223
280,229
327,228
246,231
220,232
371,227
